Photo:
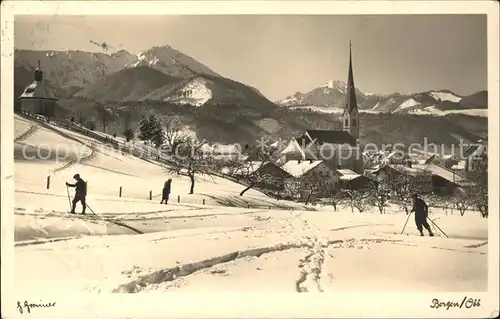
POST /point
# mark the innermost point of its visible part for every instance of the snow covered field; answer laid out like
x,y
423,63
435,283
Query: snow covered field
x,y
230,243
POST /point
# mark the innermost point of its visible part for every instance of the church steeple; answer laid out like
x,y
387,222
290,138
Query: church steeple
x,y
38,73
351,113
351,90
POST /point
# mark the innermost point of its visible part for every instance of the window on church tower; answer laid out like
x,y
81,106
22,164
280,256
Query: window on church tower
x,y
346,122
354,122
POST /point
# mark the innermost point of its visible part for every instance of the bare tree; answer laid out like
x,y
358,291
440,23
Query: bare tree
x,y
479,178
356,199
105,115
405,185
253,171
192,161
462,200
379,196
173,131
337,196
312,184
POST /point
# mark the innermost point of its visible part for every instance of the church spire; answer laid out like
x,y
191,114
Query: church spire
x,y
351,90
350,117
38,73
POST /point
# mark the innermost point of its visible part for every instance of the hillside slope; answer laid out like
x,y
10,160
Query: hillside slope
x,y
129,84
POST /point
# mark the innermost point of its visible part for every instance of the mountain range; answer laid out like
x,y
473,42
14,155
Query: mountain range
x,y
168,82
433,102
160,74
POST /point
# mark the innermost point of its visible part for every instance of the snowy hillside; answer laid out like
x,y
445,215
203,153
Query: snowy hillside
x,y
97,163
445,96
196,92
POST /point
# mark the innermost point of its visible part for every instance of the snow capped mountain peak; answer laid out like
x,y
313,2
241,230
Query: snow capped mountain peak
x,y
153,61
141,56
335,84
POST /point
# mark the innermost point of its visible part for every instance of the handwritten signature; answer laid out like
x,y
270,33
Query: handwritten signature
x,y
467,302
28,306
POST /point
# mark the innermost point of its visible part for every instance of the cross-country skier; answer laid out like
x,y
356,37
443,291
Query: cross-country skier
x,y
421,212
80,193
166,191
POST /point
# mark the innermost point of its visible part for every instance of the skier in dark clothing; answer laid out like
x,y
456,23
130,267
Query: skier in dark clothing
x,y
421,212
80,193
166,191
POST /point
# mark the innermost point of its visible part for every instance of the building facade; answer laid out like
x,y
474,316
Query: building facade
x,y
38,98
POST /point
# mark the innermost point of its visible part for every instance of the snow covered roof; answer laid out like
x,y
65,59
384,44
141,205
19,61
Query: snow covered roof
x,y
37,90
345,171
441,172
226,149
331,137
412,171
347,174
299,168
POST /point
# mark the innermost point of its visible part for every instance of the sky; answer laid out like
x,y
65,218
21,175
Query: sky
x,y
283,54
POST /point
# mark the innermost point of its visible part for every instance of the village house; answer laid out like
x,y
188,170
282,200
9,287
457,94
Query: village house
x,y
338,148
442,180
310,172
352,180
270,176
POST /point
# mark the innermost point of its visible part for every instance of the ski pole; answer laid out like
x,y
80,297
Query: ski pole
x,y
407,219
91,209
69,197
437,227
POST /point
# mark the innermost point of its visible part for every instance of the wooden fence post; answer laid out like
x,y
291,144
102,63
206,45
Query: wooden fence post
x,y
48,182
120,191
150,195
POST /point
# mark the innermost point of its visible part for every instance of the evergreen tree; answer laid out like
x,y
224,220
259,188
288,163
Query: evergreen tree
x,y
129,134
144,130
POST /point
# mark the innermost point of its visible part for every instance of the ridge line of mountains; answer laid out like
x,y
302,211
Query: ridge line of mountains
x,y
431,102
166,81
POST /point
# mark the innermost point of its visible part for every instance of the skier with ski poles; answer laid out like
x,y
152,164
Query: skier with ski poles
x,y
421,213
80,193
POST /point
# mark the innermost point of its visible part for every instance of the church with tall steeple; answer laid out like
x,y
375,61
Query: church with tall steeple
x,y
350,117
339,148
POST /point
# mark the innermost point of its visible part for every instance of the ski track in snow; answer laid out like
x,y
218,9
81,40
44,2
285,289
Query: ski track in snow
x,y
32,130
310,267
